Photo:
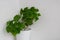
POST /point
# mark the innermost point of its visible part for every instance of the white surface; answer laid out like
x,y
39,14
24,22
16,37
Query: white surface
x,y
48,26
24,35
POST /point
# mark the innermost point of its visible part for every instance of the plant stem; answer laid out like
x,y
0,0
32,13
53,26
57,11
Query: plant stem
x,y
25,27
15,38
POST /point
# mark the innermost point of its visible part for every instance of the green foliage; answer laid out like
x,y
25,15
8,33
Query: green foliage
x,y
17,17
14,27
29,15
25,18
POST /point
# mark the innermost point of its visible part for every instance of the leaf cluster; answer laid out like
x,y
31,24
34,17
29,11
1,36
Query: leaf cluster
x,y
15,26
25,18
29,15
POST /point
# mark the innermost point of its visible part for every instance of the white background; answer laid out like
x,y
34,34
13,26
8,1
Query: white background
x,y
46,28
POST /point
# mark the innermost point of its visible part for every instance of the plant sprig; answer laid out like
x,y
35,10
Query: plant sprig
x,y
29,15
23,20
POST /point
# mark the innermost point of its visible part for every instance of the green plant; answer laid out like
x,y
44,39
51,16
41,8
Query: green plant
x,y
22,21
14,26
29,15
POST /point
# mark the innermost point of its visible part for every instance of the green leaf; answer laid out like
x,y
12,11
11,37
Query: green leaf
x,y
8,29
21,11
36,18
26,9
17,17
39,14
33,9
